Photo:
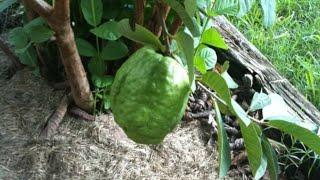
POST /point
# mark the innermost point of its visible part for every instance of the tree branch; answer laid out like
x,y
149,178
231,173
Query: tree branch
x,y
139,14
177,22
41,7
61,10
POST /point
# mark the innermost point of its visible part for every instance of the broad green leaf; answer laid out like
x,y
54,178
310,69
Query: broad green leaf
x,y
309,138
207,56
215,82
190,23
213,38
225,7
277,107
97,67
252,141
259,101
18,37
223,145
272,159
40,33
269,12
230,82
185,42
85,48
199,63
191,7
92,11
245,6
140,35
108,30
4,4
34,23
29,57
102,81
240,113
114,50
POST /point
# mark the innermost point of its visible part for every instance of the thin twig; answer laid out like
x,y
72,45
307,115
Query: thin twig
x,y
212,93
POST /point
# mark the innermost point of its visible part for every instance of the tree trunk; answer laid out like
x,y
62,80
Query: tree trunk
x,y
246,58
58,18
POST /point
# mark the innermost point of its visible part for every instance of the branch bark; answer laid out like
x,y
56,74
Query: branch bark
x,y
154,24
58,18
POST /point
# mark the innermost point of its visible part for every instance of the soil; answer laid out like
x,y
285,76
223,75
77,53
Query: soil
x,y
89,150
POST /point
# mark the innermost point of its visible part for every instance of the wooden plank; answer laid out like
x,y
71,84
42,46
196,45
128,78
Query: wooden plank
x,y
246,58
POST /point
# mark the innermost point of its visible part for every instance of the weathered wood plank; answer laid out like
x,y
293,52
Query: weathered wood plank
x,y
245,57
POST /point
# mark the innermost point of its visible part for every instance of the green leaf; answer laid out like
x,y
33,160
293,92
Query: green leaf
x,y
114,50
259,101
18,37
206,55
309,138
185,42
92,11
102,81
269,12
191,7
97,67
34,23
230,82
85,48
186,19
225,7
277,107
40,33
28,57
223,145
213,38
203,4
245,6
272,159
140,35
108,30
240,113
215,82
252,141
4,4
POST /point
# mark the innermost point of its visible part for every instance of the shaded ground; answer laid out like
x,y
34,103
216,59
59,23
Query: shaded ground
x,y
88,150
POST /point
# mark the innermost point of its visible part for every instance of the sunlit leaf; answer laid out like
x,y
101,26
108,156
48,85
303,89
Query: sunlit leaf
x,y
245,6
269,12
185,42
223,145
272,159
141,35
309,138
213,38
252,141
259,101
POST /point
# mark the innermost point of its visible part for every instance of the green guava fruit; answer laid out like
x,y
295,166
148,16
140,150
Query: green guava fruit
x,y
149,96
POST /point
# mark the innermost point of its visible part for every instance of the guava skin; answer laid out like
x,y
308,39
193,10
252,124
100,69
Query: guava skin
x,y
149,96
